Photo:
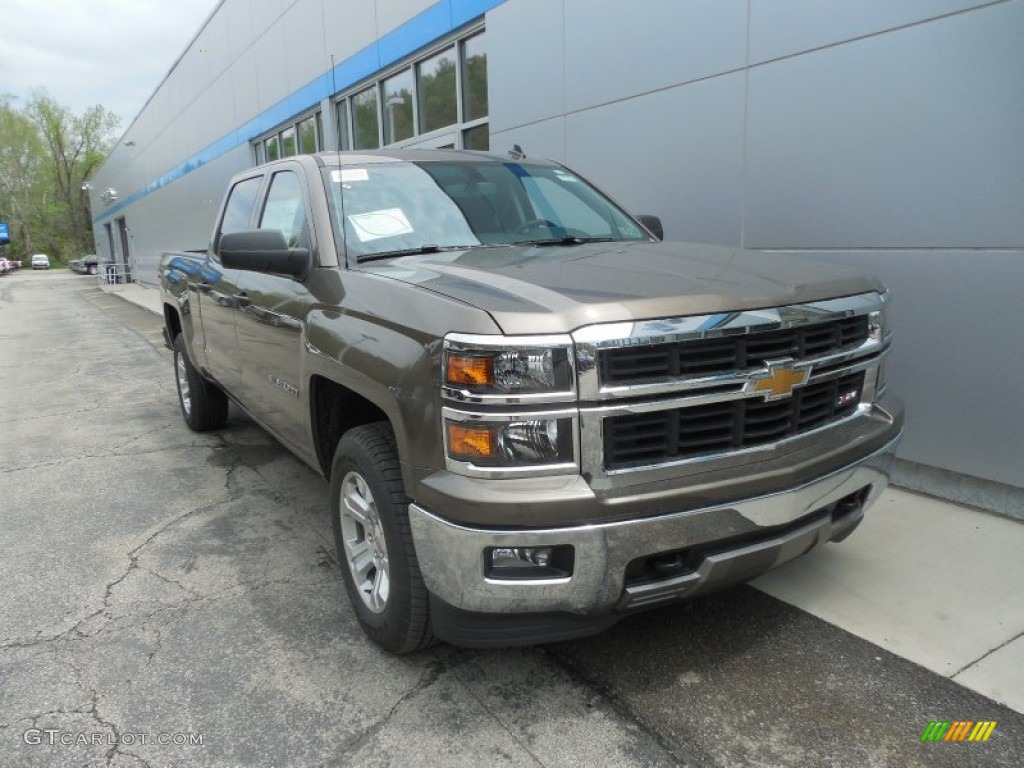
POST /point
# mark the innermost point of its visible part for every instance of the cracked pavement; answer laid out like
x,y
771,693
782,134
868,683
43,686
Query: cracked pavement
x,y
158,582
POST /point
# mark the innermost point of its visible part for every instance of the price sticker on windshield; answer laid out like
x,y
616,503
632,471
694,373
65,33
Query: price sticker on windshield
x,y
347,175
377,224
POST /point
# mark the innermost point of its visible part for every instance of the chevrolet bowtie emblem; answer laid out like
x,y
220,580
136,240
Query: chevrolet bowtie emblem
x,y
780,380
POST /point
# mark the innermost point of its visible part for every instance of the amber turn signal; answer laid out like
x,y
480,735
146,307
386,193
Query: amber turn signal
x,y
468,443
465,369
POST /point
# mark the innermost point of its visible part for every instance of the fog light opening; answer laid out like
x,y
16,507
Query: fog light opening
x,y
516,563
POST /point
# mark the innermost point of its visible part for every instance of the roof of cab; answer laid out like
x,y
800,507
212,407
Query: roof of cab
x,y
363,157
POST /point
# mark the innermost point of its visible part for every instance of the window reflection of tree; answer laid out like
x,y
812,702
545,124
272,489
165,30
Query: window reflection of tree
x,y
398,108
438,107
475,85
364,114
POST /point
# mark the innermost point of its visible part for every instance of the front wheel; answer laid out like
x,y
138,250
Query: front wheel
x,y
374,540
203,405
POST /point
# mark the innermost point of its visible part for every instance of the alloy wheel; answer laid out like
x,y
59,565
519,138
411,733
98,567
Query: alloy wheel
x,y
366,550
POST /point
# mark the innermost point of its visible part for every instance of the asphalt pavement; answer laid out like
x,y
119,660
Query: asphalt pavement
x,y
173,599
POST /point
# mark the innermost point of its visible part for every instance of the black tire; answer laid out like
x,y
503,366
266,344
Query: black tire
x,y
366,481
92,270
203,406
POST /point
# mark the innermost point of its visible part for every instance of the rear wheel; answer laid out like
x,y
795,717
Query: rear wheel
x,y
374,540
203,405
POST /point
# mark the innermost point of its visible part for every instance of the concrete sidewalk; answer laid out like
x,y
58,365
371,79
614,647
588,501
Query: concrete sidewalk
x,y
147,298
934,582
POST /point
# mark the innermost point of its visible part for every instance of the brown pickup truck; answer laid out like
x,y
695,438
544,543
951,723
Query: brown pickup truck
x,y
536,417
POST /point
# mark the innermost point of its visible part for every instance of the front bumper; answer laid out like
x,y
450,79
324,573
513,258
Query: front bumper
x,y
721,545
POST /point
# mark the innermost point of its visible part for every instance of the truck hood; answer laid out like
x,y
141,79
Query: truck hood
x,y
556,289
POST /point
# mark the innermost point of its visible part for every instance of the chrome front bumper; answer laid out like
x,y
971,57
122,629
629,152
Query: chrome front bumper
x,y
774,529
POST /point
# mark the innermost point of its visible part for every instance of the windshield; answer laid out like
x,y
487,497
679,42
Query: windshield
x,y
382,209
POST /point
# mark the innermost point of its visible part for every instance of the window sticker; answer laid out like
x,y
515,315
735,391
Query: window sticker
x,y
346,175
377,224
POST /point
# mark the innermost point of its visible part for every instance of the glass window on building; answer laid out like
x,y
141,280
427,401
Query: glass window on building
x,y
477,138
342,124
441,96
288,141
398,114
365,125
260,157
272,149
437,91
474,78
307,136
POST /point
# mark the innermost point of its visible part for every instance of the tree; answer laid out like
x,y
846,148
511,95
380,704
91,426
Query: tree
x,y
75,145
22,164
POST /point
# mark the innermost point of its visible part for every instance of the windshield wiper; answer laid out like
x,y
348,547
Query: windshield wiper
x,y
422,249
567,240
400,252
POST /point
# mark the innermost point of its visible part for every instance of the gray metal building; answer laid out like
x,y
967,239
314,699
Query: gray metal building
x,y
878,133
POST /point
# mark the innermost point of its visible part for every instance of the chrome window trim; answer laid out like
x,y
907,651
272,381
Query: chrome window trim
x,y
535,470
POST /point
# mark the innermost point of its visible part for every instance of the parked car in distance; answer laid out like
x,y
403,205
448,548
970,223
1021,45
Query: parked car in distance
x,y
6,266
40,261
87,266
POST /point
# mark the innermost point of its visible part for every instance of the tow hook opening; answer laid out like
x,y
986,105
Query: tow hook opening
x,y
847,513
850,505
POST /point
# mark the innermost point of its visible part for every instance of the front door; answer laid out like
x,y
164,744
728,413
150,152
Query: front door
x,y
217,292
272,319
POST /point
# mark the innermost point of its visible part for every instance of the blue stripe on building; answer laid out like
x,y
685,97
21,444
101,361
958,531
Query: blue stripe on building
x,y
430,24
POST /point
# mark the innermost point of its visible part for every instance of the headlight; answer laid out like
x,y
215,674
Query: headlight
x,y
510,444
510,405
506,368
880,330
878,321
531,442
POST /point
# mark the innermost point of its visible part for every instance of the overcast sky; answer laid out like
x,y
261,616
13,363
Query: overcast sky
x,y
86,52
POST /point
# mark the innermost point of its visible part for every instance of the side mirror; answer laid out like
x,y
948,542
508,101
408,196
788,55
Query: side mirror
x,y
262,250
653,224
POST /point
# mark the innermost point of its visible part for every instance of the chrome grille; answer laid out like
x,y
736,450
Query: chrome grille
x,y
722,354
679,433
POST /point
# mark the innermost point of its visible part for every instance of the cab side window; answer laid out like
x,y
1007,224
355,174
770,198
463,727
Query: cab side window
x,y
240,205
285,210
